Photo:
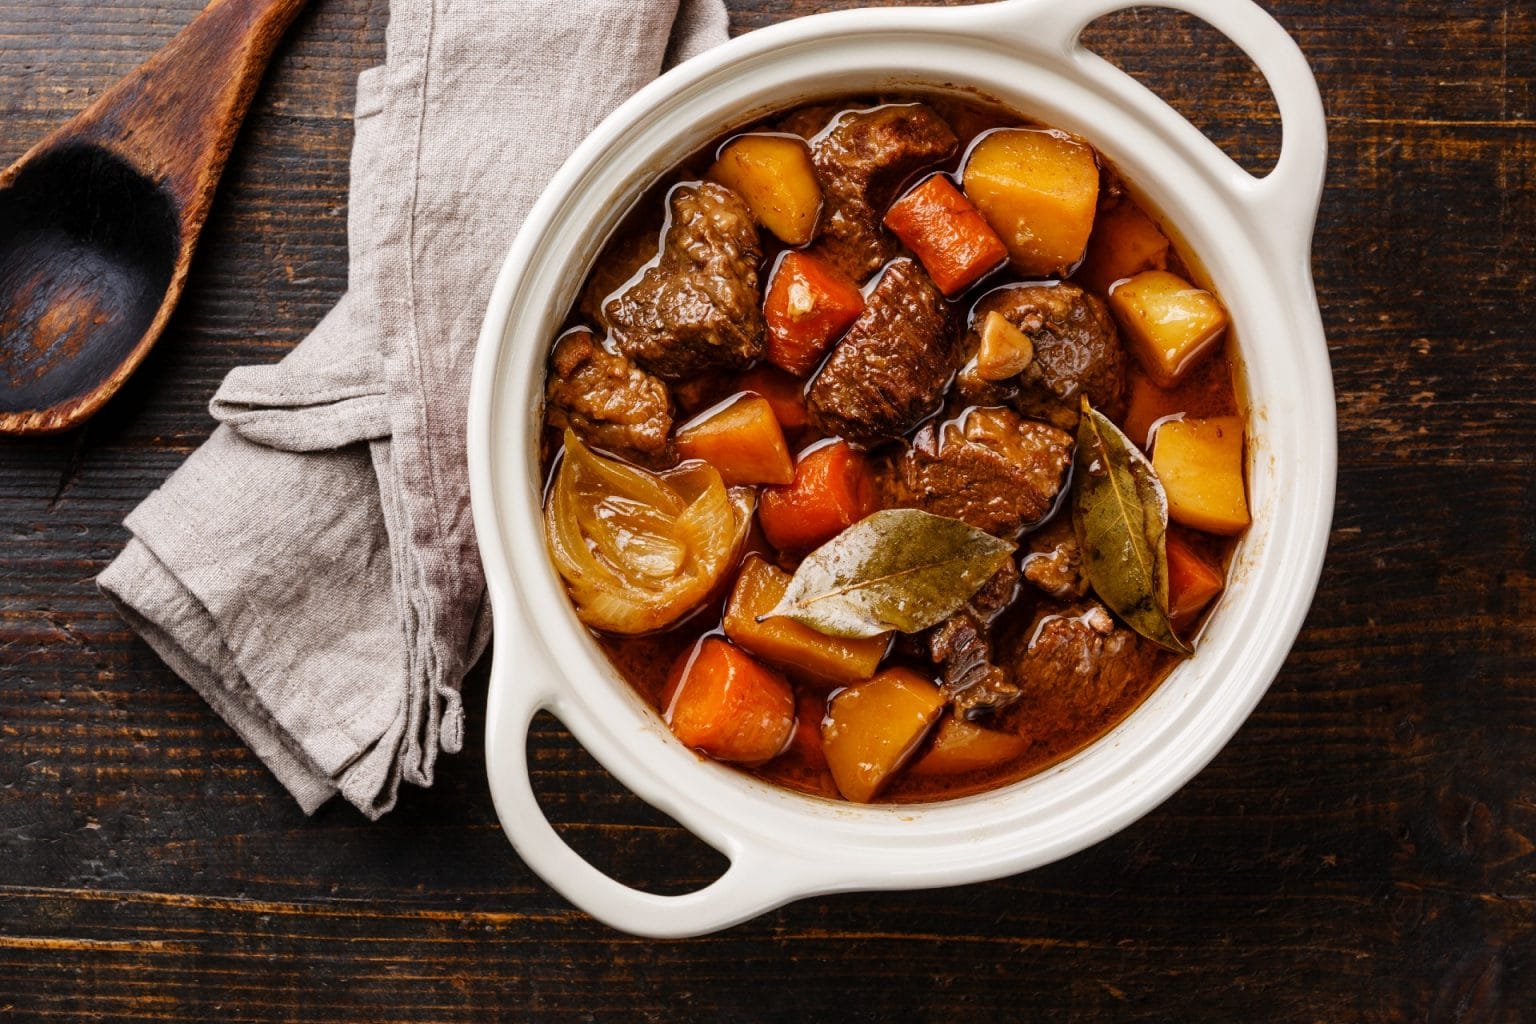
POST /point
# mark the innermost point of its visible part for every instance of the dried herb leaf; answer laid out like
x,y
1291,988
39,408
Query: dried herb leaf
x,y
1120,514
898,569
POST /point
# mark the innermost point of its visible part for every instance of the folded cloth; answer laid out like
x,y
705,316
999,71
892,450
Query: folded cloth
x,y
311,570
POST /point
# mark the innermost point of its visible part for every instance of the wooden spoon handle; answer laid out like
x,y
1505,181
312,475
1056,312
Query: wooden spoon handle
x,y
176,116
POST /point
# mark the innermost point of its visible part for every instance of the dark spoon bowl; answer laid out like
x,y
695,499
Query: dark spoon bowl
x,y
87,250
98,221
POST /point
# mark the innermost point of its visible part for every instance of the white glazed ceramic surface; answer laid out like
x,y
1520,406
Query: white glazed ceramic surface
x,y
1253,236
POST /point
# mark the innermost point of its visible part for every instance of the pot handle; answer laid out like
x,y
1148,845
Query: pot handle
x,y
754,883
1283,203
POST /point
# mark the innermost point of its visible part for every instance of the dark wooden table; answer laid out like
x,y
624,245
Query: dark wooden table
x,y
1362,851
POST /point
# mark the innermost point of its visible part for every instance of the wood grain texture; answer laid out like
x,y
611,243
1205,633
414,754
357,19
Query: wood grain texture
x,y
1364,850
99,220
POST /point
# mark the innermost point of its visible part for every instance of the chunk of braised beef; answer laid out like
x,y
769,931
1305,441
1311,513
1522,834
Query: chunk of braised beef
x,y
697,307
608,401
891,367
997,593
1077,351
961,646
1074,666
861,160
989,468
1053,561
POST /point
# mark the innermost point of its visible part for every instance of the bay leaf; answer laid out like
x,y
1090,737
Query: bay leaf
x,y
1120,514
900,568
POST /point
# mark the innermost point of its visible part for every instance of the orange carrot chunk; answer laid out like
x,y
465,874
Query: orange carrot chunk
x,y
784,393
741,438
724,703
950,236
833,489
805,745
1192,581
809,305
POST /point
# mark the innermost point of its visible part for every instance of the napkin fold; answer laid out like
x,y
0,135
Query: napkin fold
x,y
311,570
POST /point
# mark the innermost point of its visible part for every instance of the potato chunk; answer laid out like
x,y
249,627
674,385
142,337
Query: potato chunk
x,y
960,747
785,642
773,173
1125,242
1168,322
741,438
872,729
1200,462
1038,190
1145,405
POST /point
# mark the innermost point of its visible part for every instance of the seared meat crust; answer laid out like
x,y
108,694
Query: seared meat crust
x,y
606,399
891,367
698,306
1077,352
861,161
989,468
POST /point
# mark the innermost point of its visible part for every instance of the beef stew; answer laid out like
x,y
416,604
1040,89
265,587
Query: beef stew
x,y
921,313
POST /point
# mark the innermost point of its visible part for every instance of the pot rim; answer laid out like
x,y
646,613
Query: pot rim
x,y
1253,237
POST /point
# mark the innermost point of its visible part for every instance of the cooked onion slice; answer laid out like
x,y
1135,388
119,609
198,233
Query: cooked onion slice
x,y
639,551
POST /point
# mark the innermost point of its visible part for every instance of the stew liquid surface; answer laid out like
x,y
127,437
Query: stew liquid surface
x,y
893,303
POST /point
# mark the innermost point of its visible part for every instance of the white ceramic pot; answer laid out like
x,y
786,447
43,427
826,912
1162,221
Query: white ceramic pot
x,y
1252,234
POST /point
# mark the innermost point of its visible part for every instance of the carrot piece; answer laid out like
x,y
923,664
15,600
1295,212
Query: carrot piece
x,y
783,392
950,236
809,305
741,438
722,702
805,744
833,489
1192,581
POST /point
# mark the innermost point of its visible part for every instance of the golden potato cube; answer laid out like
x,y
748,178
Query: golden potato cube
x,y
1125,242
773,173
1038,189
787,643
873,728
960,747
1004,351
1200,462
1168,322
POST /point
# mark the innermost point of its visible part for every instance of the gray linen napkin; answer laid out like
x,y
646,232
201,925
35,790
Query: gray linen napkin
x,y
311,570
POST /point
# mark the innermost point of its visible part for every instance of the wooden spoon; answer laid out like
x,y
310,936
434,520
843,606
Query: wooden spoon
x,y
98,221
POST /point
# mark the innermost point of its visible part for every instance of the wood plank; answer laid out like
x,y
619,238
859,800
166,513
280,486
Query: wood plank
x,y
1364,850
